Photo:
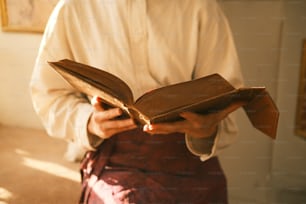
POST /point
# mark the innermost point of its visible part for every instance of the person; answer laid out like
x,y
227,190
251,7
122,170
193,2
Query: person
x,y
148,44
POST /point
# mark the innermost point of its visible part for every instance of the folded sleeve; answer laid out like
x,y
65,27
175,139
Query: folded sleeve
x,y
206,148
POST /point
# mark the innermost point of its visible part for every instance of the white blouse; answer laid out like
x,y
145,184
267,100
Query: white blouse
x,y
147,43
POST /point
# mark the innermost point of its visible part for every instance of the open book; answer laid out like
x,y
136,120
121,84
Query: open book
x,y
207,94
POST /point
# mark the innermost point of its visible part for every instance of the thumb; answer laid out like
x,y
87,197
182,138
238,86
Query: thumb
x,y
96,103
231,108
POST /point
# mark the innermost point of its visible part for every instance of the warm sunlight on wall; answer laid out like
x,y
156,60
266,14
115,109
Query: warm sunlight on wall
x,y
4,195
52,168
48,167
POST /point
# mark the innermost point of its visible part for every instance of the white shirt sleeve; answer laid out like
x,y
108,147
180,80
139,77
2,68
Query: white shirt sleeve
x,y
208,147
63,111
216,54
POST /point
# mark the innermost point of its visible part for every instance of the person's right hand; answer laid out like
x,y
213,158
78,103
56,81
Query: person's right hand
x,y
102,122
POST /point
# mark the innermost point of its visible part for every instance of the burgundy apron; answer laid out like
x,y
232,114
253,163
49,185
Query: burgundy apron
x,y
135,167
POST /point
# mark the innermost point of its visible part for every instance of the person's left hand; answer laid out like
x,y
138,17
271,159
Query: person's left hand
x,y
194,125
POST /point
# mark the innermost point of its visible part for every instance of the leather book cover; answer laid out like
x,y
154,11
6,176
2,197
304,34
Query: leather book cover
x,y
207,94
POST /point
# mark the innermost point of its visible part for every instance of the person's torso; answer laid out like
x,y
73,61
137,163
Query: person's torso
x,y
148,44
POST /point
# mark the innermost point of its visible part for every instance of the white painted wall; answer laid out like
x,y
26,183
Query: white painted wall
x,y
268,36
17,56
289,151
257,31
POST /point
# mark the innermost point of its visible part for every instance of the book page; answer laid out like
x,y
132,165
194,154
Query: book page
x,y
93,81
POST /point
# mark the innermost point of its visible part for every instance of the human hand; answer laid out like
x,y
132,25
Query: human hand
x,y
194,125
102,122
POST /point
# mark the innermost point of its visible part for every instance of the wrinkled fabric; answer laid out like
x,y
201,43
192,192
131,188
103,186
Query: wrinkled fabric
x,y
134,167
147,43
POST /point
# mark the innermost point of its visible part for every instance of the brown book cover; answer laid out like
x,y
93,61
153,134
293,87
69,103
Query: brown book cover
x,y
203,95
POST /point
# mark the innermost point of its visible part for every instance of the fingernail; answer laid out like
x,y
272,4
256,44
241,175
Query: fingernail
x,y
150,127
95,99
147,127
183,113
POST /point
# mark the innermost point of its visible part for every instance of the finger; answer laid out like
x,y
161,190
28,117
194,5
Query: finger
x,y
199,121
147,128
214,115
109,128
165,128
231,108
108,114
234,106
115,131
118,124
190,116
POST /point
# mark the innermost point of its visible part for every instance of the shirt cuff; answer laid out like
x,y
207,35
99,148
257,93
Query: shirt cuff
x,y
202,147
